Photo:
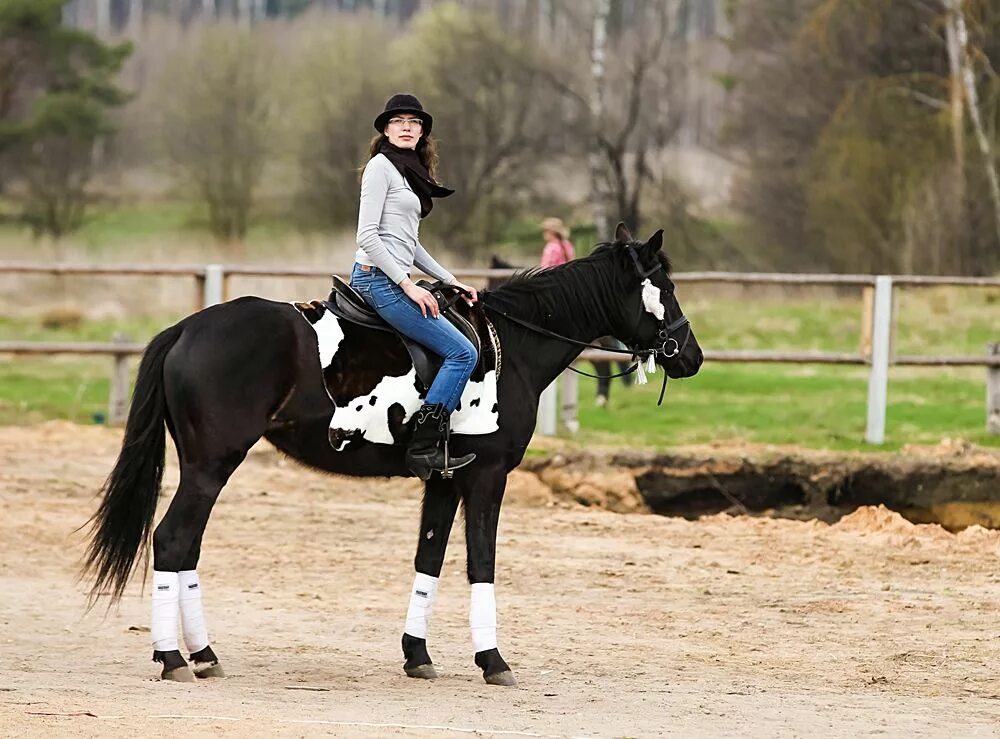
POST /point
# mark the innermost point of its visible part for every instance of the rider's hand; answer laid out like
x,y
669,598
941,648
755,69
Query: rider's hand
x,y
473,293
424,300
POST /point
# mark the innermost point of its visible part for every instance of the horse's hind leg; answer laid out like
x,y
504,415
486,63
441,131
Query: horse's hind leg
x,y
176,587
214,427
204,661
439,507
232,368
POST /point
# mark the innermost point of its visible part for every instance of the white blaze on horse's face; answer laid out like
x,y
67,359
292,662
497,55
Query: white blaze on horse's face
x,y
651,300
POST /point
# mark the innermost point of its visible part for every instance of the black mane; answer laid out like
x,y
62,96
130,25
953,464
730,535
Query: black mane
x,y
540,294
589,284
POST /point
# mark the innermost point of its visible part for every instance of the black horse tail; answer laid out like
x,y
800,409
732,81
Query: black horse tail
x,y
122,525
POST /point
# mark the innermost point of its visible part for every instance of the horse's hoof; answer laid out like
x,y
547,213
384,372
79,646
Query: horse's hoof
x,y
505,678
178,675
204,670
424,672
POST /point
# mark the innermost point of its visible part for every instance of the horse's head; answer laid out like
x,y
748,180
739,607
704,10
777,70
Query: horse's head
x,y
648,315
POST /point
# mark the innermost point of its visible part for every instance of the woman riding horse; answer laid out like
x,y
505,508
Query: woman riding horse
x,y
221,379
397,188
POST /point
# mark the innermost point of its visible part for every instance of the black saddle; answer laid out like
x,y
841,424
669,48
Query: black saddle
x,y
346,303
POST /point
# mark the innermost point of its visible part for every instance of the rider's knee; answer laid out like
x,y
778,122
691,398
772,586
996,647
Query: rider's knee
x,y
467,354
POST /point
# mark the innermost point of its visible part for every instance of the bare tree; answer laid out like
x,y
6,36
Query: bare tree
x,y
494,128
339,87
958,27
598,198
135,17
635,85
218,121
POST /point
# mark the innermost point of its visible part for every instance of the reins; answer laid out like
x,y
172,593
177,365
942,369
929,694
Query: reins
x,y
646,355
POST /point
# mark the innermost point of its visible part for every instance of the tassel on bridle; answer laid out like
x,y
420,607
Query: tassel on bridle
x,y
640,373
644,368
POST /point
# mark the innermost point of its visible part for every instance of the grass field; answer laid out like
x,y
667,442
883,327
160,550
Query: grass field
x,y
811,405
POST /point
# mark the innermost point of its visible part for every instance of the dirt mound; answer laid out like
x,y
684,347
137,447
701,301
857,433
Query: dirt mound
x,y
601,487
979,536
524,488
880,520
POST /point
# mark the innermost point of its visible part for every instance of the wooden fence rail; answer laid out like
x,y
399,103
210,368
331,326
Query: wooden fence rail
x,y
212,282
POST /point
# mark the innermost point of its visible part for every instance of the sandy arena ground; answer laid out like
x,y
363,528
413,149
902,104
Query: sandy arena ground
x,y
616,625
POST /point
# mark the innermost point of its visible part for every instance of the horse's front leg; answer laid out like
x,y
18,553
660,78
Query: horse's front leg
x,y
483,492
439,507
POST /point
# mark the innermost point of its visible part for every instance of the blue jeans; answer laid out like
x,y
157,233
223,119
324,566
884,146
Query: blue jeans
x,y
437,334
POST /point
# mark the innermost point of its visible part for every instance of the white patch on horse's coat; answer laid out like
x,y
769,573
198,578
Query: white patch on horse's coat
x,y
329,335
421,604
372,420
474,419
192,612
651,299
166,611
483,616
369,414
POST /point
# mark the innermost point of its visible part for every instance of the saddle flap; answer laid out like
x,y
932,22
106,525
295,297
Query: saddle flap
x,y
344,288
346,302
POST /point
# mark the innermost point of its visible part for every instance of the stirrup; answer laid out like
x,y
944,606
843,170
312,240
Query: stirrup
x,y
449,469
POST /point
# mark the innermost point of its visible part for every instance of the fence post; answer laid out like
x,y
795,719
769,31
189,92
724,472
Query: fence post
x,y
546,421
118,398
570,393
878,378
993,392
214,289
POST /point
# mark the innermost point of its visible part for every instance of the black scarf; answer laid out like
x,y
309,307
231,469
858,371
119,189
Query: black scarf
x,y
408,163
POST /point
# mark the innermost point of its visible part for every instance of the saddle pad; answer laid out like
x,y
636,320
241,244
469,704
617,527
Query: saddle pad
x,y
379,412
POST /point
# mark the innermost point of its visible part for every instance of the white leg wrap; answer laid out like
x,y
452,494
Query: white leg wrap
x,y
192,613
166,595
421,604
483,616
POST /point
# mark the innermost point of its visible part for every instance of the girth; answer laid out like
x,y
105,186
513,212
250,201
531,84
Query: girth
x,y
347,304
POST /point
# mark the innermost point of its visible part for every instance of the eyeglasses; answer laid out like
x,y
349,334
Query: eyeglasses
x,y
401,122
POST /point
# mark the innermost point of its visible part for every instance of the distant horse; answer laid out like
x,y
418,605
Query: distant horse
x,y
602,367
221,379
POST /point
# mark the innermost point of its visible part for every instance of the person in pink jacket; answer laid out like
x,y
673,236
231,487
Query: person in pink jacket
x,y
558,249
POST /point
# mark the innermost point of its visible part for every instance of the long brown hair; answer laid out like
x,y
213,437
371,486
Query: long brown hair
x,y
426,149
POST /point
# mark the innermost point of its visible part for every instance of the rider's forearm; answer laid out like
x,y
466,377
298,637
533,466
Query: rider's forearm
x,y
427,264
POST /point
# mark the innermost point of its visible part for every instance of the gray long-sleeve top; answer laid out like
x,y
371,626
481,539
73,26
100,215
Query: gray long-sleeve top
x,y
388,222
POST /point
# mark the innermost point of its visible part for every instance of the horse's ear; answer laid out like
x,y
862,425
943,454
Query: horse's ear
x,y
622,234
655,242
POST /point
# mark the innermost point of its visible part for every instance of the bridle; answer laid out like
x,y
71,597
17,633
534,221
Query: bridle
x,y
666,329
667,346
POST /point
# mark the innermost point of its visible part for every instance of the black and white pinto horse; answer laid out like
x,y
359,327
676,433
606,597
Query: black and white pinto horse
x,y
226,376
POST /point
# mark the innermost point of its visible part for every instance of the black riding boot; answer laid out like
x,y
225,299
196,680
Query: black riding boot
x,y
428,450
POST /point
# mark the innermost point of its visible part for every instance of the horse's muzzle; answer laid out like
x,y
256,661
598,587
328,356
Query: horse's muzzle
x,y
685,365
687,360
